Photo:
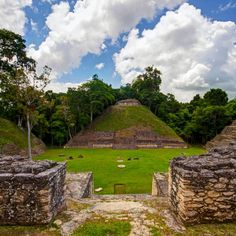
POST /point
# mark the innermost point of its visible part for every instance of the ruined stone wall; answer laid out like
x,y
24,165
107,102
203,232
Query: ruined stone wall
x,y
128,102
125,139
31,192
227,136
203,188
160,184
79,185
10,149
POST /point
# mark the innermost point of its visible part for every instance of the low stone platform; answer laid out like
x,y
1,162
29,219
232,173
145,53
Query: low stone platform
x,y
79,185
203,188
31,192
132,138
128,102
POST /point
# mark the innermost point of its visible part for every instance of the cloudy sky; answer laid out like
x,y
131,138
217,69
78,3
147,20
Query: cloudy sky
x,y
192,42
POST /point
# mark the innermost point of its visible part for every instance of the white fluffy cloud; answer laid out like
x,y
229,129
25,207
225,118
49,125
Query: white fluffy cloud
x,y
99,66
82,30
34,26
193,53
229,5
59,87
12,16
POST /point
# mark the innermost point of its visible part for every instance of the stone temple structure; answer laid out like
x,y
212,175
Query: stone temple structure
x,y
133,136
128,102
227,136
31,192
203,188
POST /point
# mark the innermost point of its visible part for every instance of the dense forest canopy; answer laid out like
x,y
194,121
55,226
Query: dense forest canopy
x,y
59,116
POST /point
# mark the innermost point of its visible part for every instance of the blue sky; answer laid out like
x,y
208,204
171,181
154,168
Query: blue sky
x,y
46,20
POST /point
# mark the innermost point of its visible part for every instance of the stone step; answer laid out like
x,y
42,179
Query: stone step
x,y
227,136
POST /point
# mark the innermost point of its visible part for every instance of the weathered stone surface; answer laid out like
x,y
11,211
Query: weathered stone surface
x,y
128,102
204,185
227,136
79,185
31,192
213,194
38,147
136,138
160,184
10,149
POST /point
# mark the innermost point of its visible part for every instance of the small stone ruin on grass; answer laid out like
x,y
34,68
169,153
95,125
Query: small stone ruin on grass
x,y
203,188
160,184
79,185
31,192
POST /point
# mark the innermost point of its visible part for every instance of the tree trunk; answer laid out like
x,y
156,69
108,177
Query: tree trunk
x,y
156,110
29,137
70,136
20,122
91,116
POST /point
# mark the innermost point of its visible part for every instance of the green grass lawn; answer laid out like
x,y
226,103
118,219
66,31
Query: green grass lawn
x,y
137,176
117,228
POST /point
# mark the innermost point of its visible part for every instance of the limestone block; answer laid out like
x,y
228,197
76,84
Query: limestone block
x,y
213,194
31,192
160,185
203,188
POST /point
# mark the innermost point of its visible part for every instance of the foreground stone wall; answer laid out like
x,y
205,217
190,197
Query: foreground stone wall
x,y
31,192
203,188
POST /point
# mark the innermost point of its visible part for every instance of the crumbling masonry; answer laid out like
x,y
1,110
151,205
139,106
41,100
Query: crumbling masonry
x,y
203,188
31,192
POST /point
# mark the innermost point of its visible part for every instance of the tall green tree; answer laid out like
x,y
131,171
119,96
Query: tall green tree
x,y
206,123
216,97
68,116
98,94
20,85
231,109
124,92
79,107
147,85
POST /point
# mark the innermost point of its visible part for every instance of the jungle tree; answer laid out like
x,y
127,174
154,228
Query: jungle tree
x,y
20,85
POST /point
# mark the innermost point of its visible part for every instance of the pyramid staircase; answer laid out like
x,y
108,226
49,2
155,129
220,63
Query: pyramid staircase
x,y
227,136
127,125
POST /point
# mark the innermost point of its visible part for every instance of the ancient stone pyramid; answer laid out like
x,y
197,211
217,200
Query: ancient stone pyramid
x,y
127,125
227,136
13,141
